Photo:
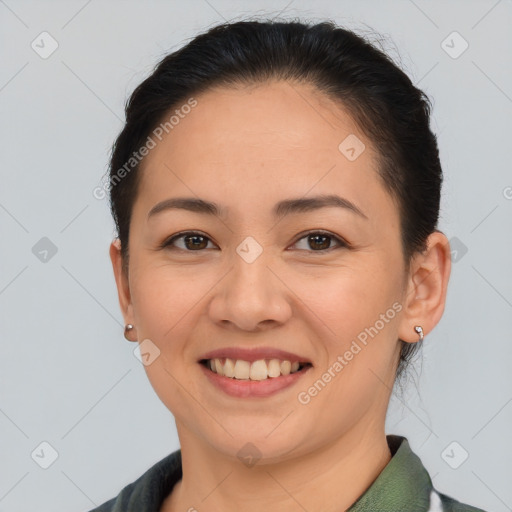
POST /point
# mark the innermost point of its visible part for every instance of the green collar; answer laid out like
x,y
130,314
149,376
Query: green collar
x,y
403,485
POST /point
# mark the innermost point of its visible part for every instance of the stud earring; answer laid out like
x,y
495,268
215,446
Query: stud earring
x,y
127,329
419,331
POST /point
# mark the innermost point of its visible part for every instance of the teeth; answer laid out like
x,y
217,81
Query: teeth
x,y
258,370
274,368
218,367
242,369
229,368
286,367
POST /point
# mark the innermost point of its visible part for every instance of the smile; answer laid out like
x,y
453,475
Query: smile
x,y
257,370
260,378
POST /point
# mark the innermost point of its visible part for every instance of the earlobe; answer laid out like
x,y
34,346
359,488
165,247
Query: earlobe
x,y
121,278
425,297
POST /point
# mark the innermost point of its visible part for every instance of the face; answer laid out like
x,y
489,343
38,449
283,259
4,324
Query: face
x,y
324,283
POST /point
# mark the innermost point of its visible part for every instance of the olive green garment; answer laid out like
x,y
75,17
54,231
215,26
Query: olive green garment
x,y
404,485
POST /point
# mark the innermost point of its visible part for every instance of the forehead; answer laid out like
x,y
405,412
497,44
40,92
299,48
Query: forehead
x,y
258,142
281,115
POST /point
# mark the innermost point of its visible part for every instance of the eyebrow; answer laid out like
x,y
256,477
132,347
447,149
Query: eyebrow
x,y
281,209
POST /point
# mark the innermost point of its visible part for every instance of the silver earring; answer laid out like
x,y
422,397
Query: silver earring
x,y
127,329
419,331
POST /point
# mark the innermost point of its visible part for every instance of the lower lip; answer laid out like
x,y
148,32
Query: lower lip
x,y
253,388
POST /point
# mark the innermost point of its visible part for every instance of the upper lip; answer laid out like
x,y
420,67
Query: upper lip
x,y
254,354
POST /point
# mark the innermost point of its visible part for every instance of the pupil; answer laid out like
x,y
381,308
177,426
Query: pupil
x,y
195,237
312,238
325,237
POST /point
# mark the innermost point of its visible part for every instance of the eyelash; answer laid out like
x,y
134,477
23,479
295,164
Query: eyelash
x,y
341,243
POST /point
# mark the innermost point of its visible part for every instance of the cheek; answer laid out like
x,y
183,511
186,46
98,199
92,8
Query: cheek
x,y
357,309
347,300
360,355
162,298
163,304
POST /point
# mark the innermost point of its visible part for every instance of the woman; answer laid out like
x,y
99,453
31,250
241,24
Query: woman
x,y
276,194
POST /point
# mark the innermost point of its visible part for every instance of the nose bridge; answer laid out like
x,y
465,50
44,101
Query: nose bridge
x,y
251,294
250,250
250,266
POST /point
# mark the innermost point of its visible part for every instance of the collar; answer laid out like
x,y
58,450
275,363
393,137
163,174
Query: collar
x,y
403,485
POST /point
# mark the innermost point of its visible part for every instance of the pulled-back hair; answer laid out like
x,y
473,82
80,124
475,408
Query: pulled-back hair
x,y
380,97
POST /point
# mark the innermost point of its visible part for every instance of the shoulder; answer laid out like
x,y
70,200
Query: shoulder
x,y
118,503
147,493
406,476
450,504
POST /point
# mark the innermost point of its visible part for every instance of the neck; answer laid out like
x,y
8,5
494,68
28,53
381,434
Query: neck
x,y
339,473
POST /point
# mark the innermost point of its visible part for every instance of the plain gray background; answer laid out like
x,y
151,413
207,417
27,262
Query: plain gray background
x,y
67,376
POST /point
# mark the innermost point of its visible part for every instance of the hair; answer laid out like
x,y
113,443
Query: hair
x,y
379,96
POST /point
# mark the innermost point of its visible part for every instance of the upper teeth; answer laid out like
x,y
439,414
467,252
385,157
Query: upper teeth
x,y
257,370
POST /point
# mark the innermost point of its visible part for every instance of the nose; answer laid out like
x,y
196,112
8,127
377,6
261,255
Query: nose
x,y
251,297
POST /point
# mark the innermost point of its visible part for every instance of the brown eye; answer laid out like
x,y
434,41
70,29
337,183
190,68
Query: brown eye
x,y
195,241
192,241
316,241
320,241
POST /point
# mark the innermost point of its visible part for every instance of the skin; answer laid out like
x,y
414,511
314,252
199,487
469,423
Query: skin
x,y
246,149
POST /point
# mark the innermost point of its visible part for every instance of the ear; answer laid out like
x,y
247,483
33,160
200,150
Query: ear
x,y
122,282
427,284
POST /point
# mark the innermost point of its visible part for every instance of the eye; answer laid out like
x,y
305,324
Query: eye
x,y
192,241
320,241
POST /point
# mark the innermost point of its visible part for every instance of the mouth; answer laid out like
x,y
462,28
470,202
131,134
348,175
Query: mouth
x,y
258,370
